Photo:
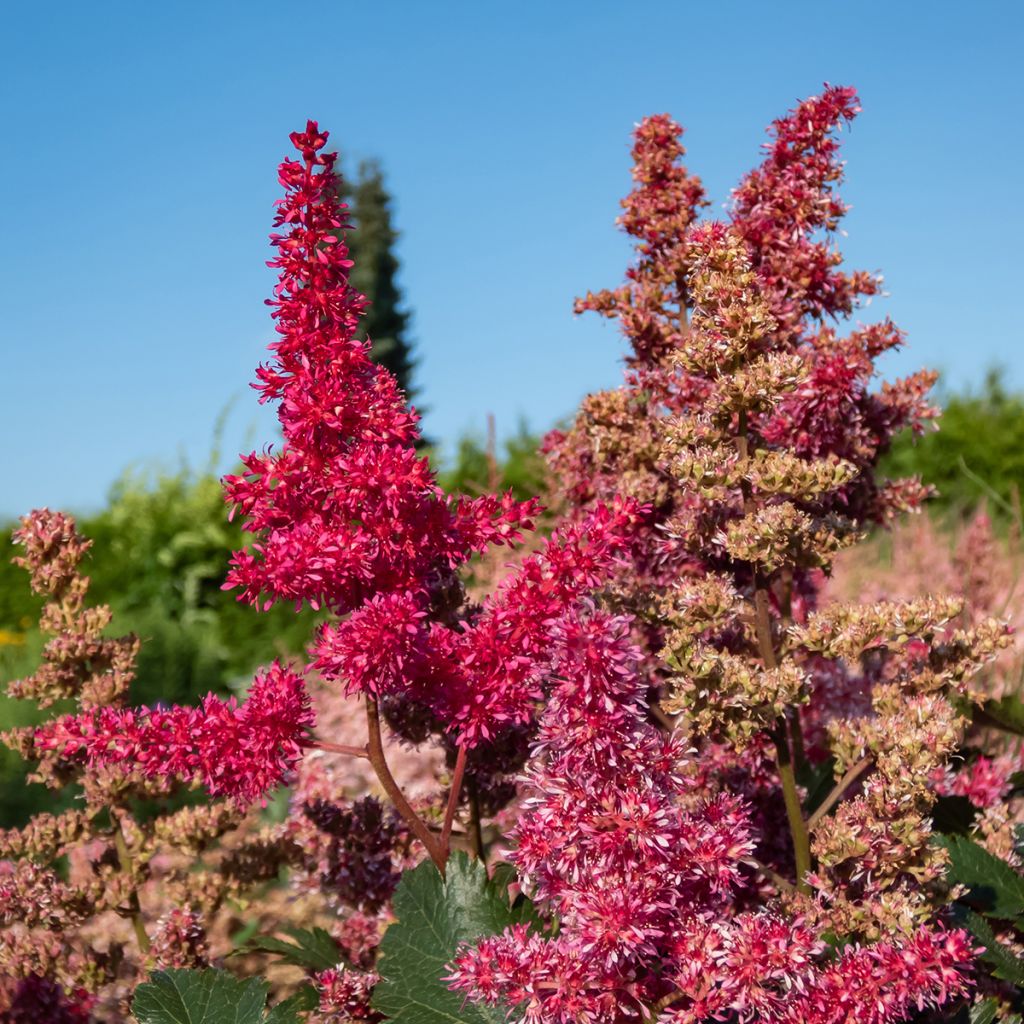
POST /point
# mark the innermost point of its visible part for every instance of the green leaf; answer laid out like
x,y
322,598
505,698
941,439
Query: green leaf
x,y
435,916
245,933
1005,964
313,950
985,1012
818,781
206,997
996,889
307,998
1006,714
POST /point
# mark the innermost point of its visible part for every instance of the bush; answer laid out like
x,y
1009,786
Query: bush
x,y
978,455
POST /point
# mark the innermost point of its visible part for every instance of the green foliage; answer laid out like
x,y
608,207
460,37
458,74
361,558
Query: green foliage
x,y
985,1013
478,467
1007,714
977,454
435,916
995,888
312,949
210,997
995,892
1005,964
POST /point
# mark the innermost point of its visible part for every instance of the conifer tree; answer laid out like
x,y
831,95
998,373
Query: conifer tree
x,y
375,274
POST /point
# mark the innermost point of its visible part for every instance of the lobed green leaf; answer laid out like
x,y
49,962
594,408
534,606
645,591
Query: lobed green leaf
x,y
995,888
313,949
208,997
435,917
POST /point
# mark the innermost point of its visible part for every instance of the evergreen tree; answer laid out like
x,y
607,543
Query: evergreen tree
x,y
375,273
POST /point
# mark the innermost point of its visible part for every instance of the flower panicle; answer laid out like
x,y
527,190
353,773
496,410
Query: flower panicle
x,y
346,511
235,750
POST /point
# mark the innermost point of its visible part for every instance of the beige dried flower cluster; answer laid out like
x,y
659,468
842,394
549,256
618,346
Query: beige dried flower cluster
x,y
743,644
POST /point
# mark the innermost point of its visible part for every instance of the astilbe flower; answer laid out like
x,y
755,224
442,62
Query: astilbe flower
x,y
642,887
985,781
346,514
782,207
658,212
751,431
361,851
604,844
885,982
78,660
786,213
345,996
179,940
240,751
73,930
358,937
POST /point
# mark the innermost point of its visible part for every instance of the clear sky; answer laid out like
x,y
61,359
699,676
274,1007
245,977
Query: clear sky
x,y
139,145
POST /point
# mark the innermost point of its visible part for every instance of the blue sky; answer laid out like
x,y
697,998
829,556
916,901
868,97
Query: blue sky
x,y
139,146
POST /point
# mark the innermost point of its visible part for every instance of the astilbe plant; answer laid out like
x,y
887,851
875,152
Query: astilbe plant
x,y
748,427
347,517
131,900
785,211
661,671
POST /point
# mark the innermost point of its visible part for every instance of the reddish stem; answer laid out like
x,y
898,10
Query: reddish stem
x,y
453,799
341,748
375,752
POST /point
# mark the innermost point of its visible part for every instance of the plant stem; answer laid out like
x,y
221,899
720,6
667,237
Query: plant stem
x,y
475,824
783,753
773,876
838,790
453,799
786,596
794,812
663,1003
125,859
375,752
796,736
341,748
766,649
